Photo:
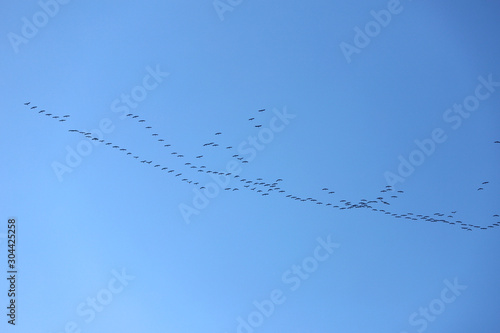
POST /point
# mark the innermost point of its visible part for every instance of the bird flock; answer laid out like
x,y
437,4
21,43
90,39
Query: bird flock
x,y
266,187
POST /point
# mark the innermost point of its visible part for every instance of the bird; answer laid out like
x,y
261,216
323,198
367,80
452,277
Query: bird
x,y
148,127
479,189
199,156
62,119
262,110
142,120
65,116
485,182
258,125
34,107
41,111
218,133
27,103
497,141
251,119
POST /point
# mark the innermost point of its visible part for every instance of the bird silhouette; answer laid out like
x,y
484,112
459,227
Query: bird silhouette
x,y
259,185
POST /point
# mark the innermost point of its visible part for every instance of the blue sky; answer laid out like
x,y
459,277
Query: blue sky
x,y
107,243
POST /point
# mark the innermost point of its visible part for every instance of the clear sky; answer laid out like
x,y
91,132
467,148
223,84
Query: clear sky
x,y
122,230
